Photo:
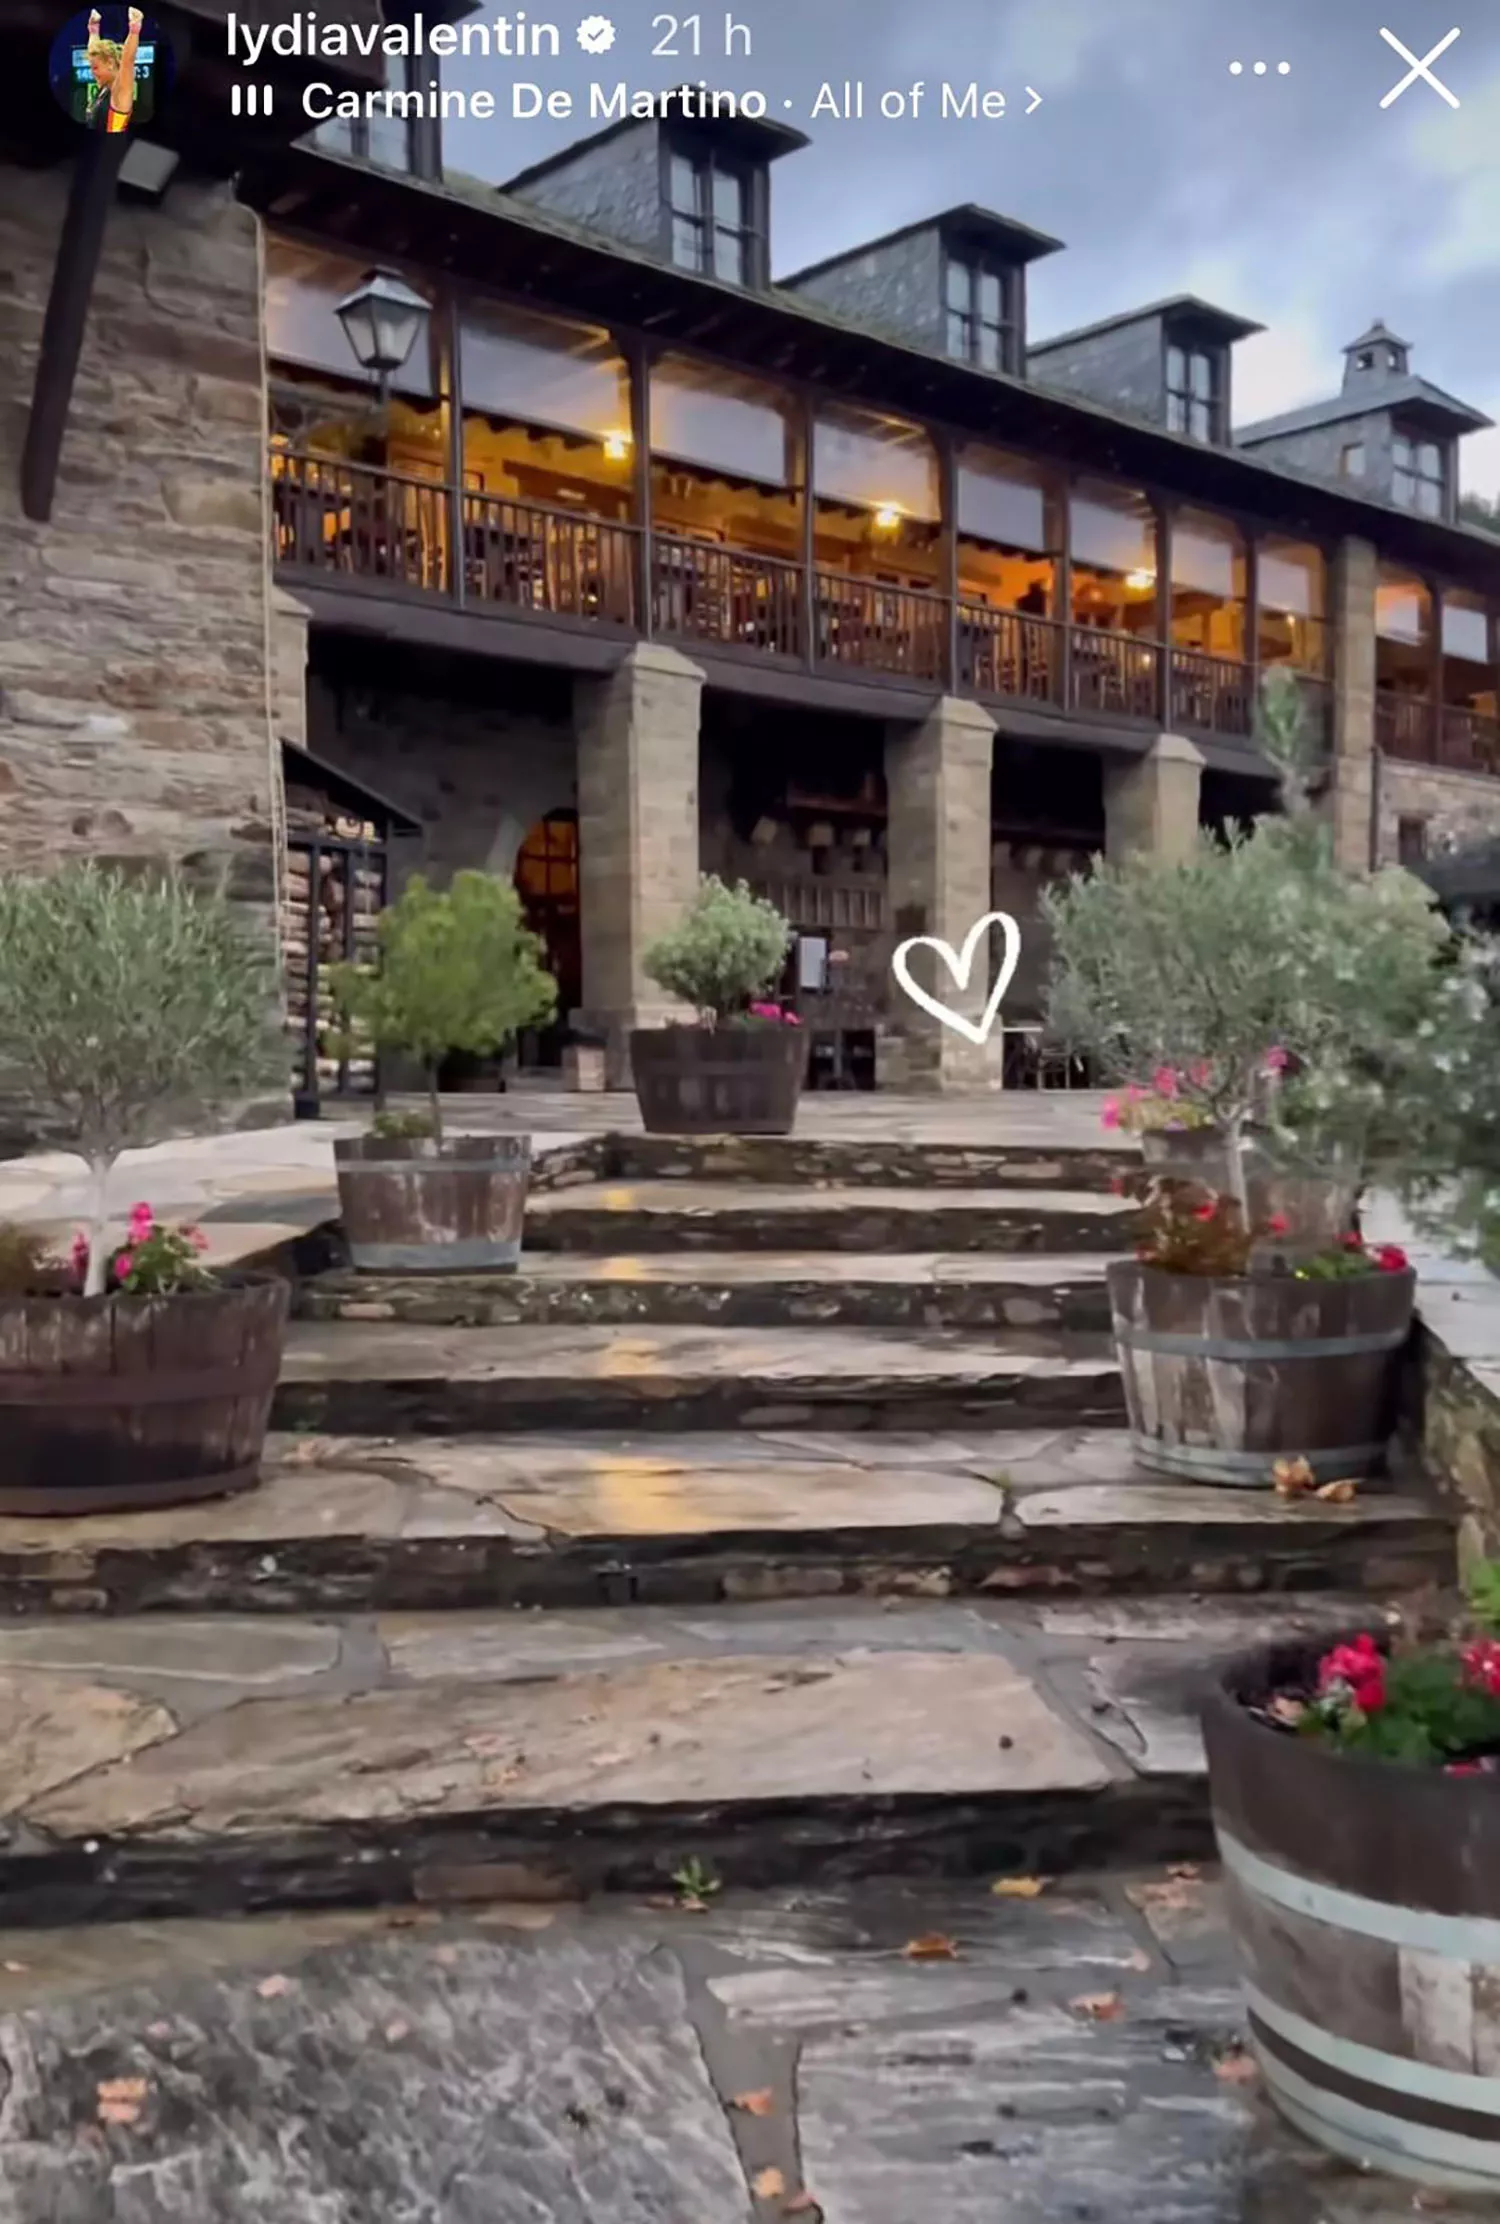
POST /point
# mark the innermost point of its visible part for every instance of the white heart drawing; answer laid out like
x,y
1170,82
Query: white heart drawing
x,y
960,964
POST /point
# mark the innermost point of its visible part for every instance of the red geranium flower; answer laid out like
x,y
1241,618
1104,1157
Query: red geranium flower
x,y
1204,1212
1359,1668
1481,1665
1278,1224
1352,1242
1391,1259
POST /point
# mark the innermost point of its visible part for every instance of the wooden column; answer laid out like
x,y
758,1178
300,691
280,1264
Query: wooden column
x,y
809,521
638,356
457,523
1252,626
948,556
1435,734
1164,701
1063,608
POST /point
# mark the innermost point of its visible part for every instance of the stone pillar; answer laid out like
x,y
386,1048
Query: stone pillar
x,y
637,835
1350,796
938,786
1151,803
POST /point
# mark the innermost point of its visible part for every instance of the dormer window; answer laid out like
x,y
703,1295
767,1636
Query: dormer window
x,y
1419,476
980,295
1195,388
712,212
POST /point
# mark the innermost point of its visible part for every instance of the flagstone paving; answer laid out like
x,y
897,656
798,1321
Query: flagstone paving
x,y
683,1215
1070,2059
737,1289
366,1377
159,1764
574,1519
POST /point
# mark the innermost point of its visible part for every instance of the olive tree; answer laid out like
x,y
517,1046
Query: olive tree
x,y
1244,950
133,1006
458,969
728,946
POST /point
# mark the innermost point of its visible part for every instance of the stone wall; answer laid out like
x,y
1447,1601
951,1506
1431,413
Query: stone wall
x,y
612,186
133,662
896,288
477,773
1122,367
1456,807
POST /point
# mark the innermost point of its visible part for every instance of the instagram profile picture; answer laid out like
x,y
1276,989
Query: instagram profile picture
x,y
110,67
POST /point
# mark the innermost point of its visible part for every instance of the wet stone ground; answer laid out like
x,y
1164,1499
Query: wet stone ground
x,y
884,2054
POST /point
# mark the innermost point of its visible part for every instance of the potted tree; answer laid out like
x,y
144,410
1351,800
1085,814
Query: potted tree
x,y
1356,1795
1247,1337
131,1375
737,1069
457,971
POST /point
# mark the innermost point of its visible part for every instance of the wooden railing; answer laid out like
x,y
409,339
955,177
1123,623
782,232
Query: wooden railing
x,y
1470,739
355,523
701,591
1405,725
382,529
861,624
521,557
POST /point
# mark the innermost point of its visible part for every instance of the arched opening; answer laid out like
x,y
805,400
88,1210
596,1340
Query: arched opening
x,y
547,884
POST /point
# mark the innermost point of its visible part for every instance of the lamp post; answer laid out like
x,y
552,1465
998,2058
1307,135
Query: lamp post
x,y
383,319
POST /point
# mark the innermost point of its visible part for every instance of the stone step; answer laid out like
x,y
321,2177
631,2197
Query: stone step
x,y
642,1521
880,1162
176,1766
374,1378
736,1289
613,1217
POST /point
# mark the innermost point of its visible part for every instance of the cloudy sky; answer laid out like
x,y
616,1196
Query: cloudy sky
x,y
1293,199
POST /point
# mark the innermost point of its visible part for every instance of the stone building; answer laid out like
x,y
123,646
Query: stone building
x,y
641,564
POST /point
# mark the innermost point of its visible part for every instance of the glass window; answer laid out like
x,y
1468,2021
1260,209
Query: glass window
x,y
1352,460
1291,589
303,288
1006,502
542,372
1402,610
712,226
1466,627
875,463
981,324
1194,382
1419,475
715,418
1208,585
1113,530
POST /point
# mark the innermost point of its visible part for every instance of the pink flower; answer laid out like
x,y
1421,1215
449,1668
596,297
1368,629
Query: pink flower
x,y
1110,1115
791,1019
1133,1092
1481,1665
196,1238
1277,1060
1358,1669
1164,1081
1201,1074
142,1220
1278,1224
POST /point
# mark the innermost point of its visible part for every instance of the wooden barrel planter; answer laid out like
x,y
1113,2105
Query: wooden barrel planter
x,y
1364,1901
718,1080
414,1206
1224,1378
1318,1208
110,1404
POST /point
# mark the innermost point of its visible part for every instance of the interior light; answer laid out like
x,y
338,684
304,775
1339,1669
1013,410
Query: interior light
x,y
617,446
1140,579
887,517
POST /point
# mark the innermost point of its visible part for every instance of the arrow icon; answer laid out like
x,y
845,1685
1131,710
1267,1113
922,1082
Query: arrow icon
x,y
1035,101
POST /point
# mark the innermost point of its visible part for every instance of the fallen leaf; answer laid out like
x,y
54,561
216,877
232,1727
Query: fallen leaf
x,y
1285,1709
1020,1888
768,2184
1098,2007
272,1988
688,1903
120,2099
1338,1494
15,1968
396,2030
1183,1869
801,2204
755,2104
447,1955
931,1946
1291,1477
1237,2068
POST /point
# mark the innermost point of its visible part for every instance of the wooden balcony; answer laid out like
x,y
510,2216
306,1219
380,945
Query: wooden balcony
x,y
381,531
1448,735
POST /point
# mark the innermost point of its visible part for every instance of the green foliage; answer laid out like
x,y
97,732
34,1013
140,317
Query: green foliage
x,y
1444,1092
458,971
729,946
1205,964
1482,1589
1286,736
1473,509
1431,1714
402,1127
696,1882
134,1006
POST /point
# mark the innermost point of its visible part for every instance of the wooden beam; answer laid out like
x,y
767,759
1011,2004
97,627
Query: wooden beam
x,y
79,246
